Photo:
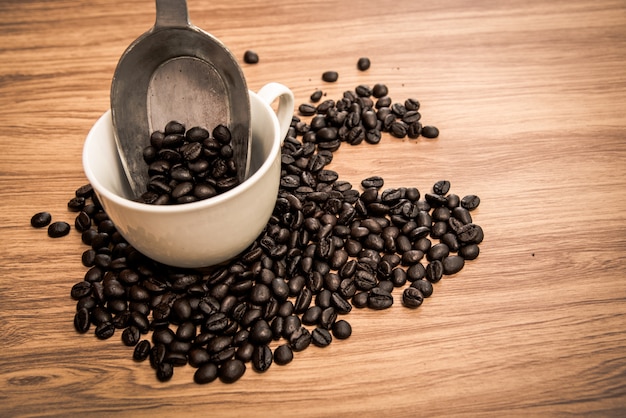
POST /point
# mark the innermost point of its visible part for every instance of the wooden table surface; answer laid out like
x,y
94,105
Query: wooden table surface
x,y
530,99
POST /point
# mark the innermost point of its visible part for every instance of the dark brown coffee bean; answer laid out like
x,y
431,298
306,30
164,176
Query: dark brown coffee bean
x,y
434,271
250,57
206,373
330,76
469,252
342,329
430,131
262,358
379,299
363,64
316,96
283,354
82,320
452,264
412,297
58,229
470,202
142,350
41,219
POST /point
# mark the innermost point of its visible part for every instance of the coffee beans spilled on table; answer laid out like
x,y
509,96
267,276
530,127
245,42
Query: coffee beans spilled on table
x,y
185,166
327,248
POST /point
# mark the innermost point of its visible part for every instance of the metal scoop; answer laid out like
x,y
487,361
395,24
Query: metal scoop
x,y
176,71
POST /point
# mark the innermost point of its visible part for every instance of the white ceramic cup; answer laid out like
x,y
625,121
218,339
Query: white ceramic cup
x,y
206,232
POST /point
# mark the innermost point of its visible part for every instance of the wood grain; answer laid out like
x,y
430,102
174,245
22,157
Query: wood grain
x,y
529,97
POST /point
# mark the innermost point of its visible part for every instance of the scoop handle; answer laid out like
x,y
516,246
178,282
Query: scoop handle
x,y
272,91
171,13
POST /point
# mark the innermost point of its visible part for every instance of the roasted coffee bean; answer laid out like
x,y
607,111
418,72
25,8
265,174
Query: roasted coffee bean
x,y
58,229
470,234
321,337
469,252
430,131
105,330
434,271
470,202
164,371
363,64
438,252
412,297
452,264
330,76
76,204
41,219
316,96
142,350
80,290
260,333
206,373
131,336
462,215
262,358
186,331
82,320
416,272
82,222
300,339
283,354
342,329
379,299
379,90
441,187
250,57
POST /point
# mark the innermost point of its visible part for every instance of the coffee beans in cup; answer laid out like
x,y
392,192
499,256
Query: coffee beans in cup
x,y
185,166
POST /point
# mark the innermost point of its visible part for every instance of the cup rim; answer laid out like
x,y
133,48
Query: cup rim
x,y
185,207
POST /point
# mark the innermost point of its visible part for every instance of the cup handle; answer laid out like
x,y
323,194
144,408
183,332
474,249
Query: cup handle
x,y
272,91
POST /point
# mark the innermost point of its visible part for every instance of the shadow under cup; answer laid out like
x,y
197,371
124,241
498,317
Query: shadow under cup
x,y
197,234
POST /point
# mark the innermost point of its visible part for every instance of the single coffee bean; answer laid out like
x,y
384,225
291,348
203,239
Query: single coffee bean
x,y
330,76
164,371
363,64
41,219
316,96
206,373
142,350
452,264
441,187
58,229
434,271
379,299
470,202
283,354
342,329
250,57
300,339
379,90
412,297
321,337
105,330
131,336
430,132
469,252
262,358
82,320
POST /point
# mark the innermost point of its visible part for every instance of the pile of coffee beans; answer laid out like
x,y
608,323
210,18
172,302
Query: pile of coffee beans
x,y
328,248
188,165
361,115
